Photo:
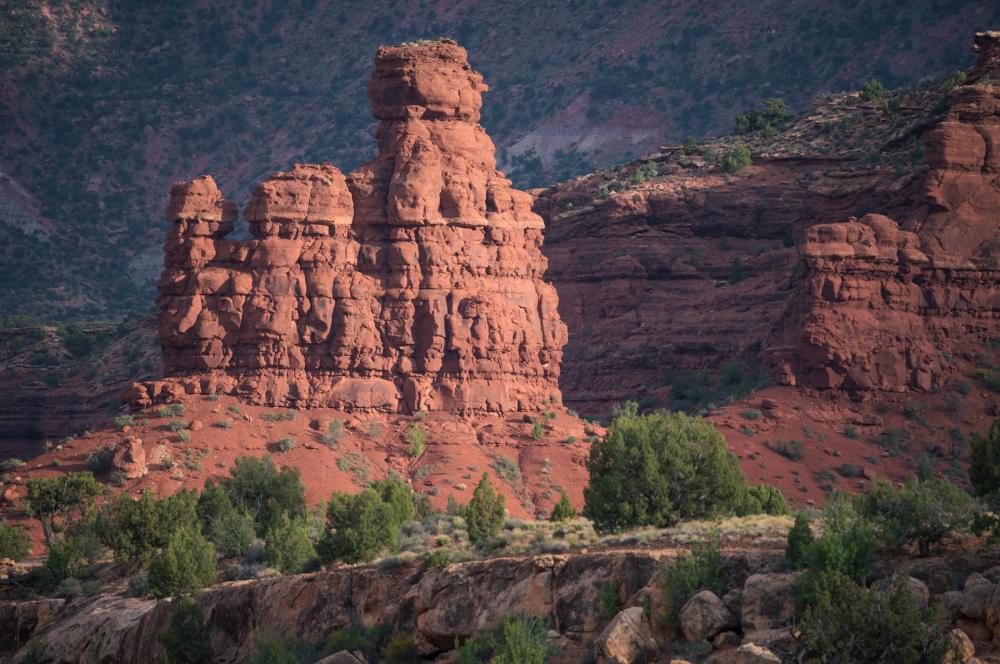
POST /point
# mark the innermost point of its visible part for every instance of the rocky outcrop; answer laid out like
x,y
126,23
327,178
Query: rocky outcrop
x,y
887,306
626,639
412,284
704,616
129,458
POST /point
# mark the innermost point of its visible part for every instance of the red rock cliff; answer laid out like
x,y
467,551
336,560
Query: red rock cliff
x,y
880,308
412,284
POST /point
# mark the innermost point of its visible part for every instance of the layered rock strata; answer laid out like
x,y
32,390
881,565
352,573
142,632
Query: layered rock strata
x,y
880,308
413,284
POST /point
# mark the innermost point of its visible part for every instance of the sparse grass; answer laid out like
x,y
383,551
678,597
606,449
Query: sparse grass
x,y
212,397
285,416
851,431
751,414
537,430
356,464
182,436
506,468
170,410
224,424
235,410
332,435
12,463
286,444
175,425
124,420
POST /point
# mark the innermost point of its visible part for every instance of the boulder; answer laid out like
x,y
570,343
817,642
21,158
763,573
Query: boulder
x,y
344,657
705,615
748,653
961,650
626,639
768,601
130,458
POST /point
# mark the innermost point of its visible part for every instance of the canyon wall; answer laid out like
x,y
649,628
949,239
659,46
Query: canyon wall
x,y
881,306
412,284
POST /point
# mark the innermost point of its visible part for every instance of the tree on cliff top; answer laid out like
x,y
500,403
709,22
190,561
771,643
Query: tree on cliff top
x,y
658,468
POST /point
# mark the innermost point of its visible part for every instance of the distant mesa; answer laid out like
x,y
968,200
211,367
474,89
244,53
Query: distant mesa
x,y
415,283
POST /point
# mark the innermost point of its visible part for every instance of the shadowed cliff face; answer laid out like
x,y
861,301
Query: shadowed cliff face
x,y
413,284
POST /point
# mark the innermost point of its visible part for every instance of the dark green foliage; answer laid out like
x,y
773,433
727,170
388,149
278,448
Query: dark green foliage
x,y
923,512
134,529
562,510
289,548
62,561
739,271
369,640
687,575
984,464
790,449
52,498
735,159
484,514
518,640
230,530
849,624
610,602
692,392
766,120
14,542
872,90
762,499
186,565
401,649
398,496
258,488
690,146
800,538
270,649
187,640
654,469
99,461
358,527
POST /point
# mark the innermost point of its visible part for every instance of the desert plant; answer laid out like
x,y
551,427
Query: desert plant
x,y
134,529
258,488
654,469
800,537
735,159
286,444
289,549
922,512
506,468
872,90
358,527
518,640
484,514
186,639
186,565
54,500
686,575
124,420
332,435
14,542
562,510
418,440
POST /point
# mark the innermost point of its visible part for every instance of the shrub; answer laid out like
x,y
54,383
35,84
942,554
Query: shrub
x,y
872,90
506,468
687,575
398,496
518,640
99,461
289,549
610,603
790,449
850,470
537,430
13,463
258,488
51,499
751,414
766,120
182,436
984,474
358,527
369,640
800,537
124,420
848,623
170,410
484,514
654,469
229,529
922,512
418,440
134,529
14,542
770,499
333,432
187,640
286,444
735,159
270,649
401,649
186,565
850,431
62,561
846,546
562,510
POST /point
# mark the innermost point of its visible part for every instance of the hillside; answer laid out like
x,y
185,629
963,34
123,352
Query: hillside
x,y
90,147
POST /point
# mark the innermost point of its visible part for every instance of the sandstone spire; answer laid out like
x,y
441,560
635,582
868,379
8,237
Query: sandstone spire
x,y
413,284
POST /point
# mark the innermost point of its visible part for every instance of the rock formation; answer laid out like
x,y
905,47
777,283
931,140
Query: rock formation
x,y
413,284
879,308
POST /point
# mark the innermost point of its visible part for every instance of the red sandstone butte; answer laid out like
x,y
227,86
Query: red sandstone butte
x,y
413,284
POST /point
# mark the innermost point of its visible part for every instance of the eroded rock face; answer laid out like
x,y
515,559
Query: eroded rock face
x,y
413,284
887,306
